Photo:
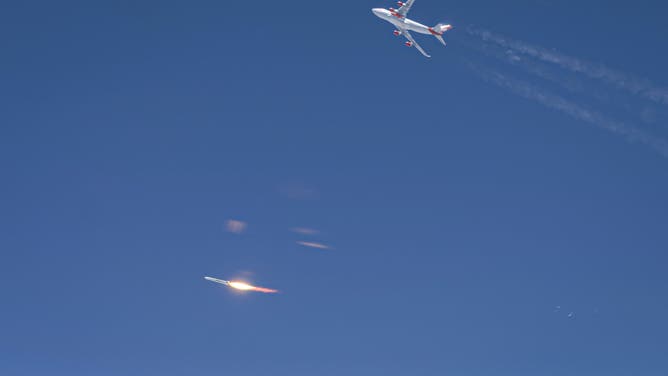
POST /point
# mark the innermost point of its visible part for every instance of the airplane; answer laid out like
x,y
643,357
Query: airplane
x,y
404,26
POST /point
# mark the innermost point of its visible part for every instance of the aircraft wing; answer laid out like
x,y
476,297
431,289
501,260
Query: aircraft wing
x,y
406,7
410,38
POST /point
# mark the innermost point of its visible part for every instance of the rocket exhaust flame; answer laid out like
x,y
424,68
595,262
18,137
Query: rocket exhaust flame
x,y
242,286
246,287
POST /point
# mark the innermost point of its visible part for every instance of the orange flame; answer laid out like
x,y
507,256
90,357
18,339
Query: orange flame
x,y
246,287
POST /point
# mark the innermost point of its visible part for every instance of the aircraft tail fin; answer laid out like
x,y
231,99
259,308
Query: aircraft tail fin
x,y
439,30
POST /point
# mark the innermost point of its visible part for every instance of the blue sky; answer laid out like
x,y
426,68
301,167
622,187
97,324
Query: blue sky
x,y
459,213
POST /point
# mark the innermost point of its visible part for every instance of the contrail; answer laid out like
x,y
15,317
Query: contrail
x,y
634,85
534,93
534,67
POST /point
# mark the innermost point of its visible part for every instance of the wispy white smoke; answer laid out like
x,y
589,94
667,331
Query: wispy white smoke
x,y
544,97
235,226
305,231
534,67
313,245
632,84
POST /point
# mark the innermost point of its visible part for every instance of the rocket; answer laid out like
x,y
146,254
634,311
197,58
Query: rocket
x,y
243,286
221,281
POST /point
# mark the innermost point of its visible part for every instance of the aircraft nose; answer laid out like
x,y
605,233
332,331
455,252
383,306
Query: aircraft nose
x,y
377,11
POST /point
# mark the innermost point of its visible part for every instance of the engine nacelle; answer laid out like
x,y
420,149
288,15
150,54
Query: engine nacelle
x,y
409,44
396,33
400,3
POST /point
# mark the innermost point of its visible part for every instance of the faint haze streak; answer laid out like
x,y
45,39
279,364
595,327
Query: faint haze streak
x,y
304,231
534,93
313,245
634,85
298,191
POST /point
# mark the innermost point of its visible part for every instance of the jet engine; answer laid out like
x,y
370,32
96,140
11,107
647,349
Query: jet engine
x,y
400,4
409,44
397,33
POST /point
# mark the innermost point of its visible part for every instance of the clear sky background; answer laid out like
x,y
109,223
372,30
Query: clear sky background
x,y
460,214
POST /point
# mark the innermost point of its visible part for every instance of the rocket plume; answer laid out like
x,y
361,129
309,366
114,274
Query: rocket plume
x,y
242,286
246,287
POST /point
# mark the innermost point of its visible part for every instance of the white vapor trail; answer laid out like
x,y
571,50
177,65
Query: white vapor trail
x,y
632,84
534,67
534,93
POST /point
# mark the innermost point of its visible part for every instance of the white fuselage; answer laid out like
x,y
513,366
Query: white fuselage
x,y
401,22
